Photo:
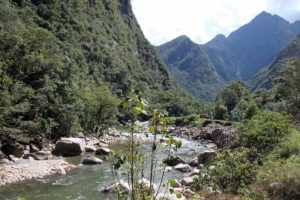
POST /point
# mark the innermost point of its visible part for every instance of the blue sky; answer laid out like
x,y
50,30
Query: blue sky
x,y
201,20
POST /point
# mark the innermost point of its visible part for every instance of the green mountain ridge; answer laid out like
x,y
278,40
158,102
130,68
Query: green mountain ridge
x,y
191,67
239,56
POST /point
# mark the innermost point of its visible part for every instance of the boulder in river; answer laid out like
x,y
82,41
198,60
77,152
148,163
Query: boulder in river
x,y
187,181
174,160
206,156
91,160
194,162
103,151
70,146
183,168
120,185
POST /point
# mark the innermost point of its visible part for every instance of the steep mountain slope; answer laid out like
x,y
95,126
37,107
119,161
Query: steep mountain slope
x,y
216,49
191,67
265,78
251,47
64,63
256,44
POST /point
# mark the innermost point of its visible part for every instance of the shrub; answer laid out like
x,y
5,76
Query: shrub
x,y
264,131
230,171
280,179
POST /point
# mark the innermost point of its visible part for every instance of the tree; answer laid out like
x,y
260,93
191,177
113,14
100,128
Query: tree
x,y
289,85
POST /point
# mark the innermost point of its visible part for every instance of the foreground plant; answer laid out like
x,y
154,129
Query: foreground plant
x,y
134,161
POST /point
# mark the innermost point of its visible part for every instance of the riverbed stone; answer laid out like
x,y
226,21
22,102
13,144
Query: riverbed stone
x,y
195,172
91,160
174,160
103,151
193,162
120,185
183,168
90,149
70,146
40,155
206,156
187,181
146,184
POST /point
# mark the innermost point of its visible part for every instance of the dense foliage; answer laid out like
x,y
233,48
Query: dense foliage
x,y
64,64
191,67
234,170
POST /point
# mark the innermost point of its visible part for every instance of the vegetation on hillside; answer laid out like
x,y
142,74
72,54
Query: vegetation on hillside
x,y
64,65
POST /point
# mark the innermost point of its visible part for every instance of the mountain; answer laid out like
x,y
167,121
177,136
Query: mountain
x,y
191,67
264,79
239,56
65,66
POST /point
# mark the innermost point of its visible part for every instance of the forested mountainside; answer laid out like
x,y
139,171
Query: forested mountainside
x,y
202,68
191,67
265,78
64,65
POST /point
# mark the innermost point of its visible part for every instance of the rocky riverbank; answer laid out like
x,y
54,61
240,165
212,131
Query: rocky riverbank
x,y
27,162
27,169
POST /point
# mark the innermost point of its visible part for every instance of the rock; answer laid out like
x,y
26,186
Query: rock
x,y
167,169
194,162
276,186
61,171
90,149
2,156
206,156
33,148
121,185
91,160
146,184
195,172
183,168
40,155
80,135
174,160
14,149
187,181
211,146
185,192
103,151
224,137
69,146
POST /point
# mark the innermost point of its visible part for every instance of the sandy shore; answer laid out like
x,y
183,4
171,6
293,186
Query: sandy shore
x,y
32,169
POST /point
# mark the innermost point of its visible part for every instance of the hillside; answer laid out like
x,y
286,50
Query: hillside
x,y
264,79
65,66
204,69
191,67
253,46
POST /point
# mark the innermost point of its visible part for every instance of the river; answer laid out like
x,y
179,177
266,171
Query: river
x,y
86,182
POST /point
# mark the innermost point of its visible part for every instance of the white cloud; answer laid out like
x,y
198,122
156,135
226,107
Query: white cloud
x,y
201,20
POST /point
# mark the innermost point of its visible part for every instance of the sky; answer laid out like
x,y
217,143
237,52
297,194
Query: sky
x,y
201,20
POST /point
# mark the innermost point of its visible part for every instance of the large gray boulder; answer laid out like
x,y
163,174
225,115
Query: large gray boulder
x,y
183,168
70,146
91,160
174,160
206,156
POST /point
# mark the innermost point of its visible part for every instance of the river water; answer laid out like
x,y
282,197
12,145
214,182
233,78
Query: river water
x,y
87,182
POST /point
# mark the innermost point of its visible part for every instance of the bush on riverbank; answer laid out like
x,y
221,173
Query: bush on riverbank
x,y
233,171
